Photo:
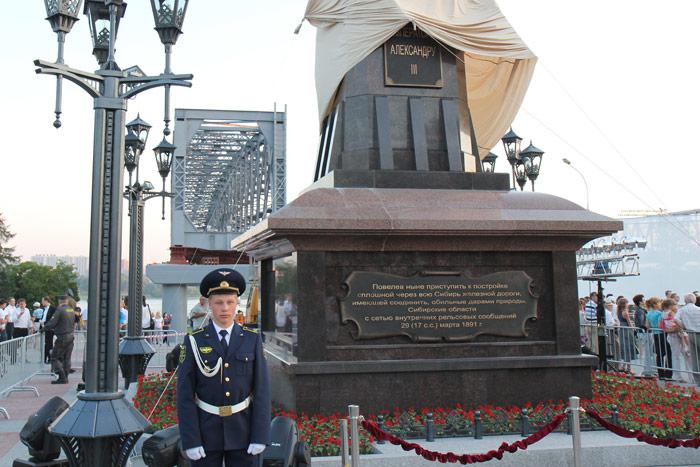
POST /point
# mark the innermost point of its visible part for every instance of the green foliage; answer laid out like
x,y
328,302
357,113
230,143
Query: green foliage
x,y
33,281
7,256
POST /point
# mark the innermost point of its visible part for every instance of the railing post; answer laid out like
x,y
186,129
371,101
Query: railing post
x,y
524,424
477,424
354,412
380,424
344,448
429,428
614,415
575,429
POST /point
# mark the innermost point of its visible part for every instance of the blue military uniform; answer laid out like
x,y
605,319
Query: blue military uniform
x,y
210,379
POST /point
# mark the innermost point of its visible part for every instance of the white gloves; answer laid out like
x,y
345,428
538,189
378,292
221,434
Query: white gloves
x,y
195,454
255,449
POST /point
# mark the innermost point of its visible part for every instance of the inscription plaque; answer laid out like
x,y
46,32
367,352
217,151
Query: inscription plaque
x,y
412,58
438,306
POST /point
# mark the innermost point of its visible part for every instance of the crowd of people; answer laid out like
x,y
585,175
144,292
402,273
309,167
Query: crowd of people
x,y
664,332
18,320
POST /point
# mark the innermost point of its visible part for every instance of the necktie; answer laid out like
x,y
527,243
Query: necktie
x,y
224,344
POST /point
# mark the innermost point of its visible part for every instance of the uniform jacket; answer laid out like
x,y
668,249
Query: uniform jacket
x,y
244,374
62,321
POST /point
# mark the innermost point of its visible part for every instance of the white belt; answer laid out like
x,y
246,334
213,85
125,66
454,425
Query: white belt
x,y
226,410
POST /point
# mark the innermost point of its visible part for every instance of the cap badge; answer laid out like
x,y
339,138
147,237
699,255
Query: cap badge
x,y
224,284
224,273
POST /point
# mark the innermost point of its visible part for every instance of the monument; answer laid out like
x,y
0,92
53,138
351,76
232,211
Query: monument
x,y
405,275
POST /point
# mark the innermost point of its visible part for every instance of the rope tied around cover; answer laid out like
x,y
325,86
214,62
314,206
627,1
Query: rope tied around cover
x,y
640,436
378,433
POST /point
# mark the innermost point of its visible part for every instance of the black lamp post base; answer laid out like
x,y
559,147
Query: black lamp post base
x,y
99,429
134,355
30,463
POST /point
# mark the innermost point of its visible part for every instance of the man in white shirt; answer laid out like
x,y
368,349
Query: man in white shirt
x,y
21,319
689,316
199,313
145,315
3,319
10,312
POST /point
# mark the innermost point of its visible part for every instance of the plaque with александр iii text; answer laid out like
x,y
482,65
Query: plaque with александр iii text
x,y
413,59
438,306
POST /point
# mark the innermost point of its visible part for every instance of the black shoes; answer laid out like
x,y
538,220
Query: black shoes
x,y
60,381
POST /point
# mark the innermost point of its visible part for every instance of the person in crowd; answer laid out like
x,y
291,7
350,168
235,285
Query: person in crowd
x,y
654,317
280,316
84,318
77,313
49,310
689,318
167,319
677,338
123,315
62,323
611,320
590,314
639,314
146,315
199,313
625,334
668,294
37,313
9,322
157,326
22,319
676,298
668,310
3,319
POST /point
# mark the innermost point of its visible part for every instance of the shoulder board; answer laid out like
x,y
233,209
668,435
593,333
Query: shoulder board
x,y
246,328
196,331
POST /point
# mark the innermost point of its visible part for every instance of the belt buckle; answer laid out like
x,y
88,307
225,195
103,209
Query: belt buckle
x,y
225,411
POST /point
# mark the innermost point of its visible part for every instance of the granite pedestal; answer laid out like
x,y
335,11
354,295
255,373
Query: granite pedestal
x,y
442,227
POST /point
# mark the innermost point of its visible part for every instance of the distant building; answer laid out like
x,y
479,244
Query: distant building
x,y
79,262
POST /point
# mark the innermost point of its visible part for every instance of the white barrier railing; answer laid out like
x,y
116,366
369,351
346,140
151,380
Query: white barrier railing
x,y
671,355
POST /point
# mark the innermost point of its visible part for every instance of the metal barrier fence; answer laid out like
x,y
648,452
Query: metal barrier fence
x,y
670,355
22,359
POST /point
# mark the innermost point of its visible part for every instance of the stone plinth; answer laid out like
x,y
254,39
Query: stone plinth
x,y
335,231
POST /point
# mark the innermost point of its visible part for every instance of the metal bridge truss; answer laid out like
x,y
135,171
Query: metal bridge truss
x,y
228,174
228,177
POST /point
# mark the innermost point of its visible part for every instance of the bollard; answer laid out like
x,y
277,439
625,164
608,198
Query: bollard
x,y
380,424
575,429
354,412
477,424
524,424
429,428
615,416
344,447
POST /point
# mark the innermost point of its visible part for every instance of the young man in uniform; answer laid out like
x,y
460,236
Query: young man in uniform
x,y
223,393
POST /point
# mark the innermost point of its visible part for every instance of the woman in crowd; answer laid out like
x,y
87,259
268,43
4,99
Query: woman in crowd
x,y
661,347
626,334
677,338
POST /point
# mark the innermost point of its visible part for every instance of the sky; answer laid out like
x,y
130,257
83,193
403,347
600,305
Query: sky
x,y
615,92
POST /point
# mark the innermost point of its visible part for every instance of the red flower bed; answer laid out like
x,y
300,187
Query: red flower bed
x,y
658,410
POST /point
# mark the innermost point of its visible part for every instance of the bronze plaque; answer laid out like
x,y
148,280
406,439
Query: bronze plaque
x,y
412,58
438,306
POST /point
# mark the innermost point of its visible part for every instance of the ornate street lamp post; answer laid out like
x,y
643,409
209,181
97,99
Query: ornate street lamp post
x,y
532,159
489,162
520,174
134,350
511,144
101,427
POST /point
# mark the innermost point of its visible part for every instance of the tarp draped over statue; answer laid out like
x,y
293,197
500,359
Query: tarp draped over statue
x,y
498,64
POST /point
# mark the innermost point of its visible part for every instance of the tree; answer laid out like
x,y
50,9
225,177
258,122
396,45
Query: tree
x,y
7,256
33,281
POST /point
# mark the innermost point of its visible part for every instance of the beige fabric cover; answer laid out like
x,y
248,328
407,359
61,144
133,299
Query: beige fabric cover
x,y
498,64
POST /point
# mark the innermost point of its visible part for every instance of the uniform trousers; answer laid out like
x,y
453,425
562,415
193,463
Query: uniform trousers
x,y
236,458
61,354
